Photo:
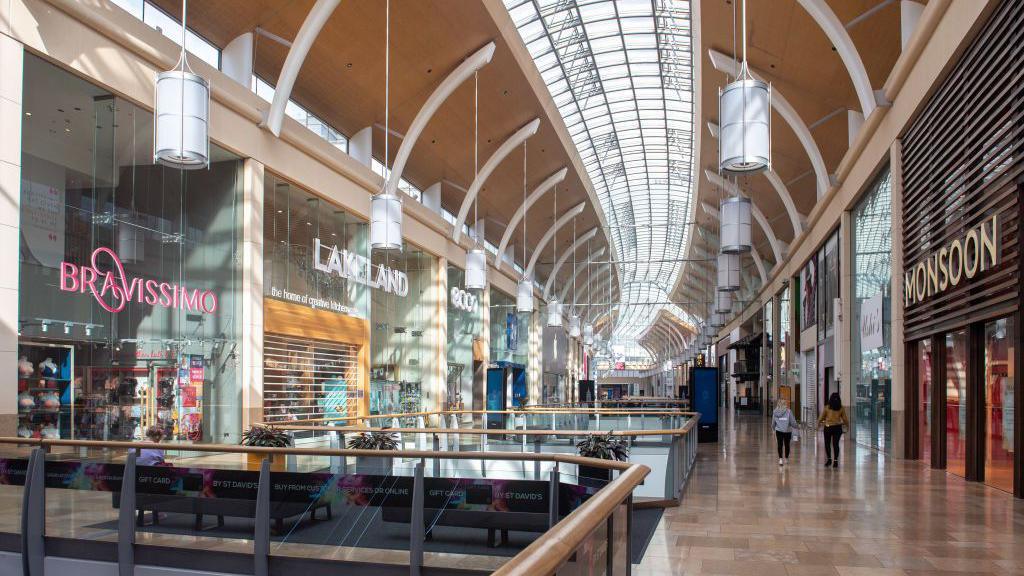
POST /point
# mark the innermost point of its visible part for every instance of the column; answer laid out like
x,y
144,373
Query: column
x,y
252,293
844,331
440,373
778,370
11,61
897,402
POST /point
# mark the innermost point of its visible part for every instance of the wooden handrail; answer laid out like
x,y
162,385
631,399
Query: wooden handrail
x,y
494,432
541,410
553,548
238,449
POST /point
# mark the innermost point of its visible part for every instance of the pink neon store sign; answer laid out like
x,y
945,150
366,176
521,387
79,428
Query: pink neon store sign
x,y
114,289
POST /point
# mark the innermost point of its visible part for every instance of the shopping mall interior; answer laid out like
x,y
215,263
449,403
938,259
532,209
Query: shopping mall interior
x,y
514,287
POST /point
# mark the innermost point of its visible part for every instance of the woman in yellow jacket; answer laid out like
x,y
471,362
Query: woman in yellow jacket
x,y
833,418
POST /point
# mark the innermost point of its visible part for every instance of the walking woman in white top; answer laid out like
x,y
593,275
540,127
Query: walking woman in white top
x,y
783,423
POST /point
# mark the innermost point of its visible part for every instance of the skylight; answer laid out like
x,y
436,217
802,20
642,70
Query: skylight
x,y
620,72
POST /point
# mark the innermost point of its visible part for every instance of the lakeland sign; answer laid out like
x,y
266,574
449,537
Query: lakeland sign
x,y
357,268
960,260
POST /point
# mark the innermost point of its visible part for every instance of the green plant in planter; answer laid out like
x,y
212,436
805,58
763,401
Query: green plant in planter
x,y
374,440
266,436
603,447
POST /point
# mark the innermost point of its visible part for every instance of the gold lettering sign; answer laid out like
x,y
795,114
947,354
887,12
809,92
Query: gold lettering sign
x,y
964,258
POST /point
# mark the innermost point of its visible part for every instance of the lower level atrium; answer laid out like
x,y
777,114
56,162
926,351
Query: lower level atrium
x,y
875,515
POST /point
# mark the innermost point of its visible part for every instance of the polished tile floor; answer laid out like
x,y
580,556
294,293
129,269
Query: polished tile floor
x,y
874,515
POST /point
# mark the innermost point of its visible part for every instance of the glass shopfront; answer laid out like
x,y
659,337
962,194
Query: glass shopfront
x,y
509,329
129,274
924,389
465,321
956,402
998,401
870,353
403,350
316,306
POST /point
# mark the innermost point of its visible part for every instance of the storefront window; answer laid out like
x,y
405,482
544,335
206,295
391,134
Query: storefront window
x,y
999,398
316,284
924,383
465,319
785,381
402,339
871,357
509,330
956,402
129,274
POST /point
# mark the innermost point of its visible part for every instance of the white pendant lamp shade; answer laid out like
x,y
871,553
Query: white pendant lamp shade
x,y
723,302
735,223
182,112
524,296
476,269
728,272
744,112
574,326
717,320
386,222
554,314
588,334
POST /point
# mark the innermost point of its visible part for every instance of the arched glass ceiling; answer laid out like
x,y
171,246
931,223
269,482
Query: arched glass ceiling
x,y
620,72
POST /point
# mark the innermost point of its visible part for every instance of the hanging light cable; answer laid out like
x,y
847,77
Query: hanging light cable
x,y
524,291
476,259
744,109
554,306
182,112
386,209
574,317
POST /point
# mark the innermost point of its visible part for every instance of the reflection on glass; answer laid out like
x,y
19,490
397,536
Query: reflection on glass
x,y
924,382
956,402
999,392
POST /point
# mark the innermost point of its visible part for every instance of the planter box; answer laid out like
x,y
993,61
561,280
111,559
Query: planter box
x,y
374,465
593,476
277,461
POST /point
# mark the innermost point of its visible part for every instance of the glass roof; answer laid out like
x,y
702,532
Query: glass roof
x,y
620,72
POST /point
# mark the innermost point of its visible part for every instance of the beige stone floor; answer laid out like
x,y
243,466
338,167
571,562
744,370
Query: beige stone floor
x,y
874,515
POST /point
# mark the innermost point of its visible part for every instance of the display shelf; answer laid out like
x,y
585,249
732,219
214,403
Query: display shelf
x,y
44,378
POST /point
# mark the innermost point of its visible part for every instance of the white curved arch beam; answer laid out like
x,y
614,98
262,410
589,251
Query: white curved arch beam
x,y
477,60
840,38
725,64
520,136
777,247
562,221
672,341
795,218
572,280
539,191
307,34
580,241
759,264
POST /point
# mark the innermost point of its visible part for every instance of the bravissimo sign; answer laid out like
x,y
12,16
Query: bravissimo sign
x,y
960,260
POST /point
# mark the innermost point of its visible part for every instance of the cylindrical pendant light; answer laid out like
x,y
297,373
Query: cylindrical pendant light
x,y
728,272
386,222
182,114
717,320
588,334
476,269
735,216
554,314
524,296
574,326
723,302
744,112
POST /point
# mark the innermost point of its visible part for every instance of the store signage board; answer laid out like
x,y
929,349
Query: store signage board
x,y
113,288
871,321
358,268
462,299
962,259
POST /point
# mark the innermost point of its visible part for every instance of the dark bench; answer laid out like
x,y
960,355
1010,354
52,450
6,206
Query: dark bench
x,y
219,507
492,521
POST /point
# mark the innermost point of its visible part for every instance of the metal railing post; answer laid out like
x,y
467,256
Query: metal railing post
x,y
416,534
553,496
261,531
536,463
33,514
126,519
437,459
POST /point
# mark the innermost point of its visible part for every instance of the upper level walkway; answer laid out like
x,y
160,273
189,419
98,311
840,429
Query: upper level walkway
x,y
874,515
